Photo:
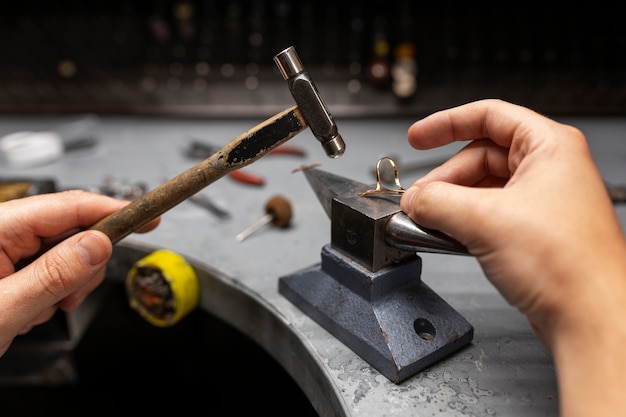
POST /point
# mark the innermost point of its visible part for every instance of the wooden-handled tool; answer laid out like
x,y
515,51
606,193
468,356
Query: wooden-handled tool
x,y
310,111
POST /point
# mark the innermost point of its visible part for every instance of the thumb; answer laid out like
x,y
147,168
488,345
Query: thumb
x,y
59,272
452,209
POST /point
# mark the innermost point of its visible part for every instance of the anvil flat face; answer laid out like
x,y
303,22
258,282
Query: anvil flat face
x,y
358,227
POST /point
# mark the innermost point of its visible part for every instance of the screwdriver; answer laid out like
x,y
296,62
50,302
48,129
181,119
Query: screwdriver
x,y
278,212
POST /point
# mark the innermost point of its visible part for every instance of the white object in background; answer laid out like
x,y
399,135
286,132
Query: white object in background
x,y
26,148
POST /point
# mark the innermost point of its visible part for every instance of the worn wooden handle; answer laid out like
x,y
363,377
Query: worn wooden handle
x,y
241,151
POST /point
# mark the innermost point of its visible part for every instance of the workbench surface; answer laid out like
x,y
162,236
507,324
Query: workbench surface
x,y
504,371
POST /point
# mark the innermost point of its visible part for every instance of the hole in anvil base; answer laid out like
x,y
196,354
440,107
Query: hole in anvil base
x,y
127,366
424,329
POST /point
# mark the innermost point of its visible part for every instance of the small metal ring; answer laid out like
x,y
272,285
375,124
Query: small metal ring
x,y
379,188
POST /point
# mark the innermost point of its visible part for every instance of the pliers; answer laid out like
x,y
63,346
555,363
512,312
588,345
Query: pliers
x,y
200,150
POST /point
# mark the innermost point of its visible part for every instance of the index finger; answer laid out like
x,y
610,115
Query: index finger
x,y
492,119
48,215
48,218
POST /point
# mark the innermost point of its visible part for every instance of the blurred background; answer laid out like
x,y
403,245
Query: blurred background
x,y
212,58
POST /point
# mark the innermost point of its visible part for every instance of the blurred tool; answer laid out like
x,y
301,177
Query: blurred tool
x,y
116,188
26,148
205,202
121,189
240,175
279,212
250,146
13,188
202,200
617,193
79,134
367,290
163,288
200,150
33,148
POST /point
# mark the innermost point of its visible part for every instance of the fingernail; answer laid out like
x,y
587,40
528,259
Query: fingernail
x,y
92,249
407,198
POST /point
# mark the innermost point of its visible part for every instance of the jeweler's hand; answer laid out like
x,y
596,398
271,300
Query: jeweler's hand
x,y
525,197
66,273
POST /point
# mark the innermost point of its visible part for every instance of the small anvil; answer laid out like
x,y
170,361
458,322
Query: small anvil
x,y
367,290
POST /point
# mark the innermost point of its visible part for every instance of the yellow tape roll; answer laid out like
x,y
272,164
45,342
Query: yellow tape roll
x,y
163,288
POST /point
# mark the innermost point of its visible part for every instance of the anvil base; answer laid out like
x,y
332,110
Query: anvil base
x,y
390,318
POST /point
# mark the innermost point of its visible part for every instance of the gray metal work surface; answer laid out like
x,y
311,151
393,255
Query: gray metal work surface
x,y
505,371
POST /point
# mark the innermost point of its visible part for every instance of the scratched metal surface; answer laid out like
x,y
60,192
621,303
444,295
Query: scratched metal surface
x,y
505,371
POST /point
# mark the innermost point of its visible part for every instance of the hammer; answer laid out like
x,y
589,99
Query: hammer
x,y
310,110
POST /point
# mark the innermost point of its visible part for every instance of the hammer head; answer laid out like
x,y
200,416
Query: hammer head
x,y
310,103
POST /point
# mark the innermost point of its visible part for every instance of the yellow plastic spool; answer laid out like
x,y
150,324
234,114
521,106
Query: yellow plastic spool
x,y
163,288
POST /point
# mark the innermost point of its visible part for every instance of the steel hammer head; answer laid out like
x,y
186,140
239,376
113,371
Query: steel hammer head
x,y
310,103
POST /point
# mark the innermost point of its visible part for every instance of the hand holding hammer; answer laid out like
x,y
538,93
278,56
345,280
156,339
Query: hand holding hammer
x,y
310,110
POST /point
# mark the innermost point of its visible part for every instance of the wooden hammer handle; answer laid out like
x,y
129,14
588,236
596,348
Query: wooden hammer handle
x,y
241,151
